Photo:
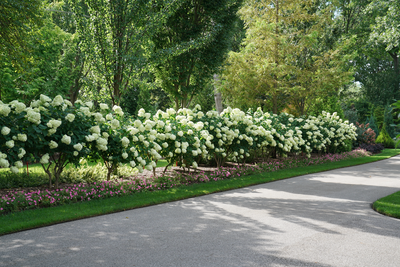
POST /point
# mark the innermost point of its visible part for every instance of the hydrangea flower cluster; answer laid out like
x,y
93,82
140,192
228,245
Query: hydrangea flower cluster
x,y
57,132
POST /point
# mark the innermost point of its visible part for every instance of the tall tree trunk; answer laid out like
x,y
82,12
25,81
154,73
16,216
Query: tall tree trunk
x,y
395,57
275,101
275,96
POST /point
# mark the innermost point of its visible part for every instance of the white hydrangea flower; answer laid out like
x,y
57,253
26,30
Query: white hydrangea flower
x,y
57,101
51,131
70,117
125,142
109,116
19,107
68,103
66,139
22,137
132,163
98,117
19,164
10,144
4,163
21,153
78,147
85,111
4,110
95,129
103,106
118,110
89,104
54,123
5,130
14,169
76,153
102,148
101,141
33,116
53,144
124,155
45,159
44,98
114,124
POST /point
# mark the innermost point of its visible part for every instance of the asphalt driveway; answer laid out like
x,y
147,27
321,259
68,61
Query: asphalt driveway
x,y
322,219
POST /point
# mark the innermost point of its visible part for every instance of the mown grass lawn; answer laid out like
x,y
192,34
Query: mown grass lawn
x,y
29,219
389,205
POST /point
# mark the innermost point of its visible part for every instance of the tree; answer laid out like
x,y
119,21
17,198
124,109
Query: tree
x,y
373,25
74,67
116,34
40,72
17,18
282,60
202,32
386,31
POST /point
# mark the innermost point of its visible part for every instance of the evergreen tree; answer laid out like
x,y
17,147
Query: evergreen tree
x,y
388,121
372,124
282,62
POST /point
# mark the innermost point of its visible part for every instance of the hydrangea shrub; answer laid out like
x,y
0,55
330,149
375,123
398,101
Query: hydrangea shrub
x,y
55,133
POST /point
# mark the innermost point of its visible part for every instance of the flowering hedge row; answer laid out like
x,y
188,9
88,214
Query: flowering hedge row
x,y
55,133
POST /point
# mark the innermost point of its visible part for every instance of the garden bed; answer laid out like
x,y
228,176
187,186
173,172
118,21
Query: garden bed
x,y
39,197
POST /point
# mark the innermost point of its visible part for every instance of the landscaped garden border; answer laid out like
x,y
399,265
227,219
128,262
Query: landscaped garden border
x,y
30,219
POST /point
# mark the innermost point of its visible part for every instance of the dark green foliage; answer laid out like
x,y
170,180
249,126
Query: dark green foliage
x,y
144,95
203,32
329,104
12,180
17,18
348,146
388,120
350,113
205,98
379,113
373,148
380,84
385,139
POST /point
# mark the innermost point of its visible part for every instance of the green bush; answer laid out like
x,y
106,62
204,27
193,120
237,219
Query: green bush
x,y
89,174
365,135
384,138
346,147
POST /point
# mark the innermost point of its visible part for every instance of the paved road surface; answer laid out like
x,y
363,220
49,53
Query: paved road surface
x,y
322,219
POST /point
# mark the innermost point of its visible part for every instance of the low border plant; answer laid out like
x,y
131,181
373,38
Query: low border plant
x,y
20,200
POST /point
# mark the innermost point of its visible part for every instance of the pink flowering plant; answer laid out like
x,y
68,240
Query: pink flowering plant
x,y
21,200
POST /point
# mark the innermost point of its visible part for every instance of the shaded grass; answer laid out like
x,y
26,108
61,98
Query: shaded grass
x,y
389,205
29,219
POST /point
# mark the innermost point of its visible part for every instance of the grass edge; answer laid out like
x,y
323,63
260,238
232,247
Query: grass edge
x,y
14,223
